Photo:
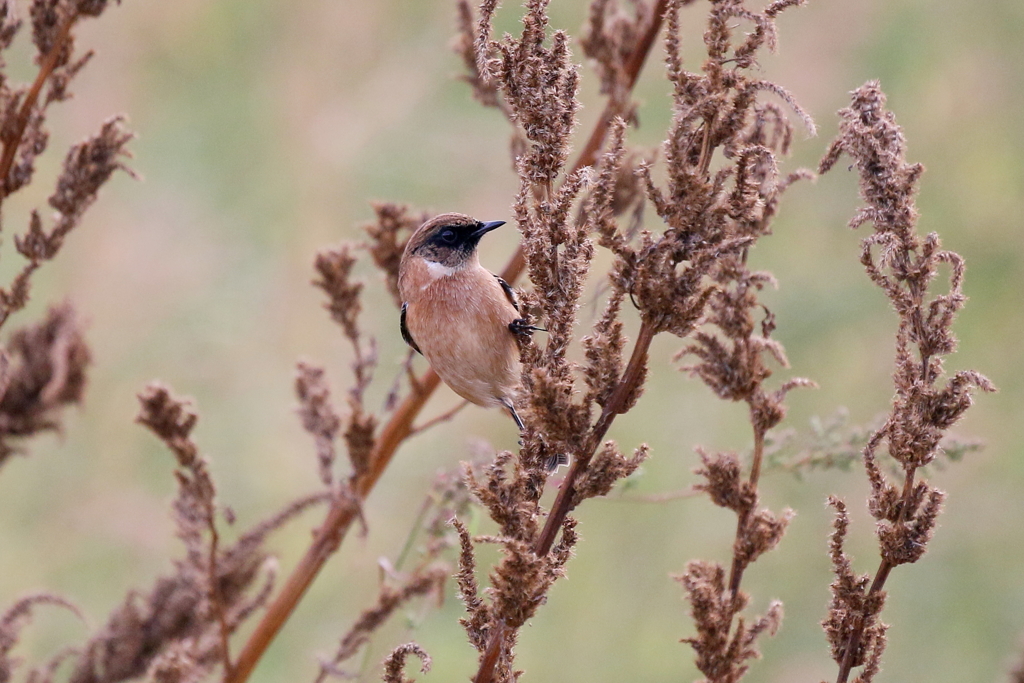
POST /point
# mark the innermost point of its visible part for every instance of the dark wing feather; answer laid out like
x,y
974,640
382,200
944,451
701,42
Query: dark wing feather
x,y
405,331
509,292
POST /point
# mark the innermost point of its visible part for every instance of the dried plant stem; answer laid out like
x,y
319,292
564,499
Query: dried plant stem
x,y
216,603
615,405
342,513
736,571
10,145
755,465
328,537
490,659
877,584
566,494
417,525
443,417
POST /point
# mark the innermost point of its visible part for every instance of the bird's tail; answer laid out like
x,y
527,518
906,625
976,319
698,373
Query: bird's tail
x,y
556,461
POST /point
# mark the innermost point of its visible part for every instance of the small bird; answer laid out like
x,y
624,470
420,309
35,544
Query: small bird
x,y
459,315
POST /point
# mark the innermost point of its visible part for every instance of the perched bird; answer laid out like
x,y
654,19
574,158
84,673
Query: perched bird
x,y
459,315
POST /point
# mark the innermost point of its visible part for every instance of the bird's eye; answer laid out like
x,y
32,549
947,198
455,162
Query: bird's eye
x,y
448,236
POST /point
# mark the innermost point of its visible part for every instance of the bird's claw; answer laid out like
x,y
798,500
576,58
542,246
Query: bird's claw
x,y
523,326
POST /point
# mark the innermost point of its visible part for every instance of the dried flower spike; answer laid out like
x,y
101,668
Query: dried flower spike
x,y
904,265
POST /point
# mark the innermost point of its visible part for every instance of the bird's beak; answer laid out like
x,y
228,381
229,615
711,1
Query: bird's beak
x,y
487,227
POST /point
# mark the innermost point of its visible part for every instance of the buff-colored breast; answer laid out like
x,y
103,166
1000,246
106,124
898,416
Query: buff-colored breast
x,y
460,319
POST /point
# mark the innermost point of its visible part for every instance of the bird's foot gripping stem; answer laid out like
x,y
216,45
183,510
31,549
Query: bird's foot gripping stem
x,y
523,326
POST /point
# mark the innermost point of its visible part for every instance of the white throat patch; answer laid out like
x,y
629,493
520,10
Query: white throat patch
x,y
439,270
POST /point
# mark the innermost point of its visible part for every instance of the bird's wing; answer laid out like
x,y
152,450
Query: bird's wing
x,y
509,292
405,331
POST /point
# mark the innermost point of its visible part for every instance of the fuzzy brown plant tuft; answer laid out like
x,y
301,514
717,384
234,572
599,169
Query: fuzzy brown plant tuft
x,y
42,371
87,167
389,600
318,416
722,648
610,35
387,237
851,600
14,619
904,265
334,267
395,662
179,629
43,367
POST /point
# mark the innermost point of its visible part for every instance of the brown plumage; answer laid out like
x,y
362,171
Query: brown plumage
x,y
459,315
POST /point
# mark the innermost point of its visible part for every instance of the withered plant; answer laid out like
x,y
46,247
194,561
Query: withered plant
x,y
903,264
690,272
686,271
43,366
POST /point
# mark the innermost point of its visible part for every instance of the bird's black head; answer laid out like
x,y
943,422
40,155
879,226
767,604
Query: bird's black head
x,y
449,239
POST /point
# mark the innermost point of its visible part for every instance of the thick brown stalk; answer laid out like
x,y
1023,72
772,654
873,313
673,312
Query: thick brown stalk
x,y
615,405
564,501
45,69
491,654
328,537
342,513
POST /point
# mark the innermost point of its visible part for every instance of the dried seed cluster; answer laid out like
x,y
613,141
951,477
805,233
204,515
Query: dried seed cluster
x,y
43,366
904,265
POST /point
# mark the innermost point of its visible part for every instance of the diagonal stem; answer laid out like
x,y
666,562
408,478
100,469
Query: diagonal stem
x,y
614,406
11,144
329,536
564,502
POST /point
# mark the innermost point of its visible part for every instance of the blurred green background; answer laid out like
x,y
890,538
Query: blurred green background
x,y
264,130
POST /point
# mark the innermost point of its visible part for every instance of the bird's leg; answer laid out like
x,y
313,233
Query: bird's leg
x,y
523,326
515,416
552,462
